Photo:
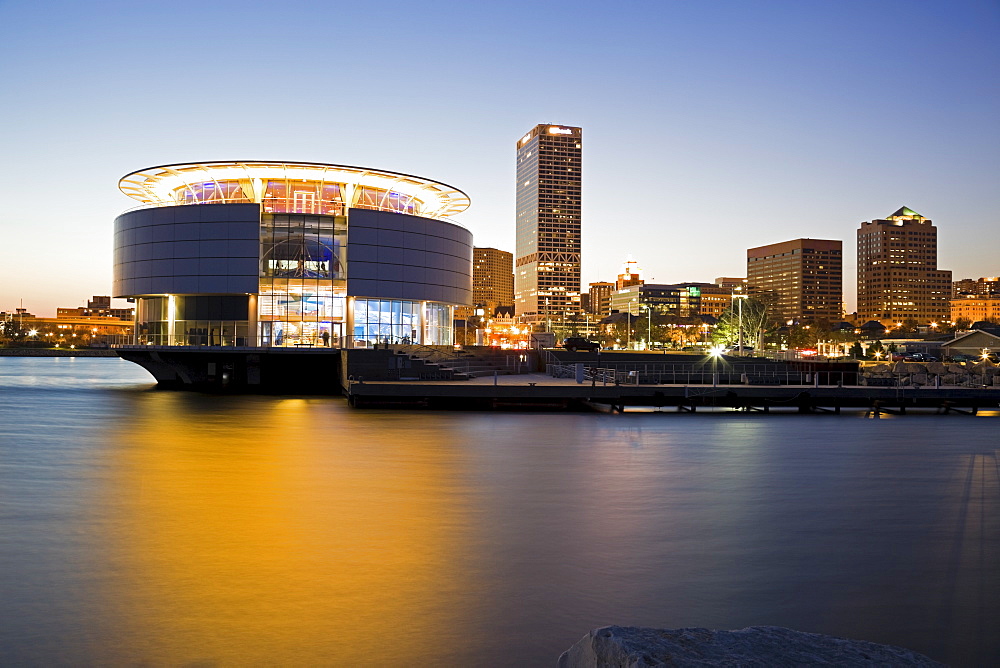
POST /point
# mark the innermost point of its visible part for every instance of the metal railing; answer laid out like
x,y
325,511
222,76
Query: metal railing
x,y
639,373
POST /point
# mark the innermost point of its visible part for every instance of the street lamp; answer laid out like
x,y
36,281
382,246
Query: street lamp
x,y
480,313
649,325
739,345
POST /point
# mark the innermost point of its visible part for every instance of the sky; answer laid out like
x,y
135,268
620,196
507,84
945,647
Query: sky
x,y
708,127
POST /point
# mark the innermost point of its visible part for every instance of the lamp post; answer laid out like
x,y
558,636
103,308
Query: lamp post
x,y
739,345
649,326
480,313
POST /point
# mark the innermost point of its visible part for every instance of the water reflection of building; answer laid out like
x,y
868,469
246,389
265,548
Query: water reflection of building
x,y
246,253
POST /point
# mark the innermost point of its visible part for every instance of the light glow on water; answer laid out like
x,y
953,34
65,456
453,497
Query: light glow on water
x,y
139,526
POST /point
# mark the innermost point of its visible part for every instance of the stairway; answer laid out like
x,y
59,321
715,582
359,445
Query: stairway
x,y
461,364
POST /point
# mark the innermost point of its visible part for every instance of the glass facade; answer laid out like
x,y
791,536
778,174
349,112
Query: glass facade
x,y
303,280
194,320
297,196
381,320
438,324
399,321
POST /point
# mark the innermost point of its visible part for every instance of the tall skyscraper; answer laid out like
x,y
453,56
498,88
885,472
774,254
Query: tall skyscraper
x,y
547,271
804,275
898,278
492,281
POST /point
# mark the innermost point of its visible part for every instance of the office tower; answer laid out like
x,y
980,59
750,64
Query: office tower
x,y
898,278
547,275
805,277
492,281
600,297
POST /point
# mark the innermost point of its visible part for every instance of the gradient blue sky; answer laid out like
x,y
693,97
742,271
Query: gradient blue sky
x,y
709,127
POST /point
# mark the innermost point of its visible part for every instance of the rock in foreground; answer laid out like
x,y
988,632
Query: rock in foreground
x,y
633,647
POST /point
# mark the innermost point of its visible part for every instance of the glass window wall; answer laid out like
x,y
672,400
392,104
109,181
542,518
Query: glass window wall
x,y
438,324
296,196
302,280
398,321
386,320
194,320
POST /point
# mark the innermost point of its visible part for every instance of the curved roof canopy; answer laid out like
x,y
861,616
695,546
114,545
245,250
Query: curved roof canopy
x,y
169,185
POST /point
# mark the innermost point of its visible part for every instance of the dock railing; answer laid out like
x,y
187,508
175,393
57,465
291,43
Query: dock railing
x,y
663,373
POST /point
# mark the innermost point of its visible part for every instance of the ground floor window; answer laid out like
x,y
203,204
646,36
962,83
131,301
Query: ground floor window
x,y
378,321
297,312
290,313
194,320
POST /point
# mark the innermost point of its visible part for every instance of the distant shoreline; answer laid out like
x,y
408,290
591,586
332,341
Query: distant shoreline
x,y
57,352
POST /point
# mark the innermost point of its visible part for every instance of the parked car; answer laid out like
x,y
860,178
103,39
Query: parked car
x,y
575,343
963,358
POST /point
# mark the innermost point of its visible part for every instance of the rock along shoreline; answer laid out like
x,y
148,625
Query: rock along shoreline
x,y
771,646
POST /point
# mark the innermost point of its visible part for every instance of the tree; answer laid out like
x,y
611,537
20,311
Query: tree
x,y
10,329
857,352
757,320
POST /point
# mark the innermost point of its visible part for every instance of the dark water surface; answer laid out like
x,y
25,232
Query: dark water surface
x,y
139,526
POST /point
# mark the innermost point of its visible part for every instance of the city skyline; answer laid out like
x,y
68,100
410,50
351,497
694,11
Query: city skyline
x,y
711,129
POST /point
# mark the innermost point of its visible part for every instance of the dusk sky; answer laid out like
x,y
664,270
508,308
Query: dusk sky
x,y
709,127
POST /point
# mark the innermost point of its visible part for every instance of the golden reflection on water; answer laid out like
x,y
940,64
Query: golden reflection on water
x,y
267,532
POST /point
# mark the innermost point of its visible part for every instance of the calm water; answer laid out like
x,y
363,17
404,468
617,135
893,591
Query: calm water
x,y
160,528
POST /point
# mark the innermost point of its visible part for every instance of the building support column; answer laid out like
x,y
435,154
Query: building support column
x,y
252,321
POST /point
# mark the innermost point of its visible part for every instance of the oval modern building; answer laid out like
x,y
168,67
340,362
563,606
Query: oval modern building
x,y
274,255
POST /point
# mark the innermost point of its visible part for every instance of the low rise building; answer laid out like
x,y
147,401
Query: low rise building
x,y
975,307
79,327
682,299
973,343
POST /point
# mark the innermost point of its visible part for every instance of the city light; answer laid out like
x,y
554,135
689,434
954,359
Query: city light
x,y
716,351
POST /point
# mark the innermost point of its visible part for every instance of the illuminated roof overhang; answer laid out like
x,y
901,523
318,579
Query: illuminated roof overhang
x,y
156,186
